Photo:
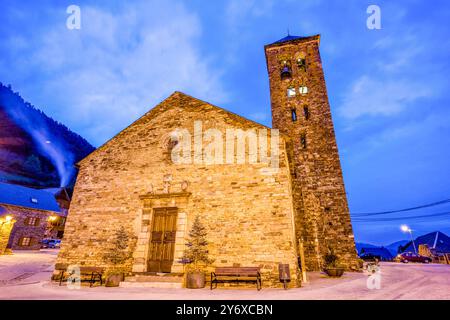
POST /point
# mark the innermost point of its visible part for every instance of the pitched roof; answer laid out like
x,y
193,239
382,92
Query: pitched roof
x,y
161,107
289,38
434,240
20,196
58,192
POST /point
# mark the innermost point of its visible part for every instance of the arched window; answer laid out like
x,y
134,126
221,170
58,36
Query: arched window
x,y
303,90
294,115
303,140
285,70
301,64
306,112
291,92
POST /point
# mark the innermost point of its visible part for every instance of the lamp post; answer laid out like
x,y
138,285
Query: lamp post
x,y
405,228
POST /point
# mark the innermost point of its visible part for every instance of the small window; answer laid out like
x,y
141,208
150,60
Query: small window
x,y
32,221
291,92
306,112
34,200
301,63
294,115
285,70
25,241
303,141
303,90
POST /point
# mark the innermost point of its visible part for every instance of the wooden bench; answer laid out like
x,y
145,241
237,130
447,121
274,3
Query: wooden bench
x,y
236,274
93,273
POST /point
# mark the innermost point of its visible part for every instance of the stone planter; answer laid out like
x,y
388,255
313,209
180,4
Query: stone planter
x,y
195,280
113,280
334,272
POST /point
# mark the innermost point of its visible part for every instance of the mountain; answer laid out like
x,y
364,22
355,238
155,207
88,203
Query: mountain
x,y
36,150
393,247
360,245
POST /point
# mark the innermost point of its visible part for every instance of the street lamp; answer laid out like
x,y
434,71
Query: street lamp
x,y
405,228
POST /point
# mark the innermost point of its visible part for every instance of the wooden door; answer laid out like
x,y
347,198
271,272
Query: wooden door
x,y
162,243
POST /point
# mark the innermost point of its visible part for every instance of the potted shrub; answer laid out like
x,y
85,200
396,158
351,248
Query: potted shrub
x,y
331,265
195,256
116,256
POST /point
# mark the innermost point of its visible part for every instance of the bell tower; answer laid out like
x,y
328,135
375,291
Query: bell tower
x,y
301,111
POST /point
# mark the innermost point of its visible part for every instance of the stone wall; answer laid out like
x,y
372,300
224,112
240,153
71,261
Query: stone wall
x,y
322,215
5,232
22,229
246,208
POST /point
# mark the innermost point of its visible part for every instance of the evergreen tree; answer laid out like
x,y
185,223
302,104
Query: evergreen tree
x,y
196,251
118,251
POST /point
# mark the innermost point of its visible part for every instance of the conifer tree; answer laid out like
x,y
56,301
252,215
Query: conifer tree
x,y
196,251
118,251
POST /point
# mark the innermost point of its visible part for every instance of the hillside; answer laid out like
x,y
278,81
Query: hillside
x,y
36,150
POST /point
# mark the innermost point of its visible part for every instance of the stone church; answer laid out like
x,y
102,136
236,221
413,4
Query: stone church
x,y
256,214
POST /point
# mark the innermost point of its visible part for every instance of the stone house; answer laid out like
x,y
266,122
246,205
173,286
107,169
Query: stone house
x,y
279,198
56,227
30,209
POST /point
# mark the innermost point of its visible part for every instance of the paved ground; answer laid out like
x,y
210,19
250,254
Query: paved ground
x,y
25,275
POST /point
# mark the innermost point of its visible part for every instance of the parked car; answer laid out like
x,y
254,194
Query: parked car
x,y
369,257
406,257
51,243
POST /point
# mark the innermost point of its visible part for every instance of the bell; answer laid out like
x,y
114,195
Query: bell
x,y
285,72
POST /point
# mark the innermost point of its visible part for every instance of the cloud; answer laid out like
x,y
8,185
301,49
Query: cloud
x,y
377,97
99,79
238,11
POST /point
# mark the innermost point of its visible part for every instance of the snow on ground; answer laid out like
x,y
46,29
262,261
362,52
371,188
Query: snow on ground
x,y
25,275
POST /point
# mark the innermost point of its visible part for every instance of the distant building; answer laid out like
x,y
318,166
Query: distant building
x,y
437,242
380,253
57,225
34,211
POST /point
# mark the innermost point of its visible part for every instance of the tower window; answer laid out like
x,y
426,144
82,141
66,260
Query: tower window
x,y
294,115
291,92
285,70
303,90
303,141
301,64
306,112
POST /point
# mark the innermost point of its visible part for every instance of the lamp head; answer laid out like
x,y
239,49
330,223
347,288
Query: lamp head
x,y
405,228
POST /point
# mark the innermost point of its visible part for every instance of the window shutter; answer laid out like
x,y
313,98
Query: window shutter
x,y
27,220
37,222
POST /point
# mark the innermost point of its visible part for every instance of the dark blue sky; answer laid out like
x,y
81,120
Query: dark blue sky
x,y
388,88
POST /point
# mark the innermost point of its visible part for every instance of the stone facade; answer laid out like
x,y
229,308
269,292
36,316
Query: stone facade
x,y
246,208
255,215
29,224
321,211
6,227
